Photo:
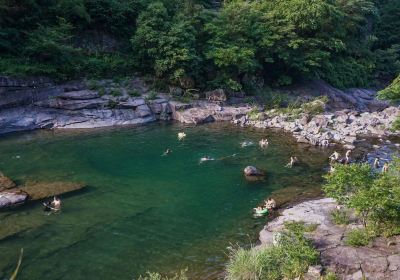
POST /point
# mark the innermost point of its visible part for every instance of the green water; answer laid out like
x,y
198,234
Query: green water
x,y
142,211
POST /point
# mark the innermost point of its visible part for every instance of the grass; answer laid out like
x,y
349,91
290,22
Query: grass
x,y
358,237
330,276
152,95
112,104
157,276
134,93
254,114
288,259
115,92
340,217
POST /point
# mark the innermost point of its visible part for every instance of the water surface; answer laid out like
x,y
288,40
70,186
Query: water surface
x,y
142,211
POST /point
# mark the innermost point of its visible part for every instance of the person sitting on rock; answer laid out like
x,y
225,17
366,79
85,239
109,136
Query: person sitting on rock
x,y
347,157
293,161
385,168
56,203
334,157
263,143
270,204
167,152
376,163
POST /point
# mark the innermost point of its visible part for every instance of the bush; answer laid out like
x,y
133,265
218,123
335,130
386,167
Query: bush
x,y
358,237
340,217
289,259
152,95
374,197
156,276
115,92
134,93
396,125
330,276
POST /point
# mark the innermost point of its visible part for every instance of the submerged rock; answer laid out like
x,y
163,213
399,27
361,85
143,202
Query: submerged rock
x,y
6,183
40,190
253,173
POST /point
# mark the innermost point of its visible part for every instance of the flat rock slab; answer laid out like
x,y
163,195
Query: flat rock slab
x,y
11,198
42,190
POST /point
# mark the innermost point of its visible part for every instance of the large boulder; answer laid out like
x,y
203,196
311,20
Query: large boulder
x,y
80,95
253,173
12,198
216,95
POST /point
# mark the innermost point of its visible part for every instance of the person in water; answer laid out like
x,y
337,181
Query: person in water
x,y
263,143
56,203
167,152
270,204
293,161
334,157
206,158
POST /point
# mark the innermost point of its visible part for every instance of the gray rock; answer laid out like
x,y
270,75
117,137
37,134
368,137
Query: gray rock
x,y
216,95
79,95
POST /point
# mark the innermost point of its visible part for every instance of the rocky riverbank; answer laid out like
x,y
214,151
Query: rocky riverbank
x,y
379,260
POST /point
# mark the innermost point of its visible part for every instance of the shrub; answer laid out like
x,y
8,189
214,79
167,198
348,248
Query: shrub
x,y
374,197
92,84
330,276
396,125
152,95
115,92
134,93
288,259
358,237
340,217
156,276
112,104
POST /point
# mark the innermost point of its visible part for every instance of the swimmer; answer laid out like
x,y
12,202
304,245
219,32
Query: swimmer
x,y
206,158
263,143
293,161
246,144
181,135
56,203
167,152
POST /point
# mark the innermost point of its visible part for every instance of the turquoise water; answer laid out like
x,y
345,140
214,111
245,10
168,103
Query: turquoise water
x,y
142,211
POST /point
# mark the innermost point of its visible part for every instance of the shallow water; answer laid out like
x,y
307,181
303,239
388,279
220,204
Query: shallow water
x,y
142,211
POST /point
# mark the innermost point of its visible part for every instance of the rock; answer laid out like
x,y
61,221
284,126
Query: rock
x,y
5,183
67,104
80,95
216,95
143,111
175,91
314,273
12,198
40,190
131,104
253,171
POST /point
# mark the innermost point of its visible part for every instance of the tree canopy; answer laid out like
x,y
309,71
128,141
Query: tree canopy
x,y
240,45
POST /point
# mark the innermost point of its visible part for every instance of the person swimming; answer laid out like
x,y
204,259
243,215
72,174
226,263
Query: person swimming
x,y
206,158
246,144
263,143
167,152
293,161
56,203
181,135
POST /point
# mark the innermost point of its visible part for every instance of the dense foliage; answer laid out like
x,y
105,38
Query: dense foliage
x,y
241,45
374,196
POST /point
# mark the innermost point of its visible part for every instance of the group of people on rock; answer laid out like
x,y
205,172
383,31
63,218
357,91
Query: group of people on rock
x,y
269,204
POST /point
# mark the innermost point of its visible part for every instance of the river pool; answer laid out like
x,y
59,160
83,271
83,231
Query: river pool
x,y
142,211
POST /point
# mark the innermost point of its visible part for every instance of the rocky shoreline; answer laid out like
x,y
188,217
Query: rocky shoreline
x,y
379,260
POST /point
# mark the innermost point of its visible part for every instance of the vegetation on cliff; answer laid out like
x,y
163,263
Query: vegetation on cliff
x,y
241,45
